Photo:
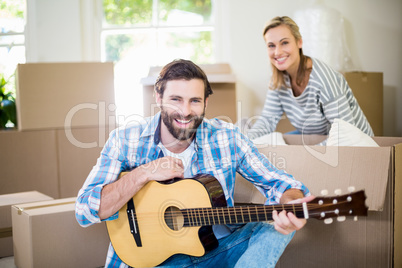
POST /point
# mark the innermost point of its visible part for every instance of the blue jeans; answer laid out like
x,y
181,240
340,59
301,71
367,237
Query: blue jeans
x,y
253,245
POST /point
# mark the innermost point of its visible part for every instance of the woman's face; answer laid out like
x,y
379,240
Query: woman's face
x,y
283,49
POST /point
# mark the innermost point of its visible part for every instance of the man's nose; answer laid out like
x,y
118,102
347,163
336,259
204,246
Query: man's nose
x,y
186,109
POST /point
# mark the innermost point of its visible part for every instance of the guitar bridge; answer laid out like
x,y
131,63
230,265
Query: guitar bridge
x,y
132,220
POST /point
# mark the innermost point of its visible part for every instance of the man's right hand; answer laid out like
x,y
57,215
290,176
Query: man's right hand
x,y
163,169
116,194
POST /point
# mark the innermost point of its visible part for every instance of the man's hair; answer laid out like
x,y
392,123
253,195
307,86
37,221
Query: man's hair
x,y
181,70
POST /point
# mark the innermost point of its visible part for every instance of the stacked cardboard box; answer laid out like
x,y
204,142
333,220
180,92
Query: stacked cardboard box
x,y
6,201
46,234
65,113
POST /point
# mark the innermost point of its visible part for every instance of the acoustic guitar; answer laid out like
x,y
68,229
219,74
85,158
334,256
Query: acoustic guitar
x,y
166,219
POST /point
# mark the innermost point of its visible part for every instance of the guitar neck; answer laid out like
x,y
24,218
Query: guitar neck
x,y
234,215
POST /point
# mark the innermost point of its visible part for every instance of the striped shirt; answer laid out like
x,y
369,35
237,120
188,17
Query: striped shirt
x,y
327,96
221,150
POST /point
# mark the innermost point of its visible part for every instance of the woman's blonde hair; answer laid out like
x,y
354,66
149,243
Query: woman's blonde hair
x,y
277,79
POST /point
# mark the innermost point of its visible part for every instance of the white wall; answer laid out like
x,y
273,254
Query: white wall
x,y
373,34
63,30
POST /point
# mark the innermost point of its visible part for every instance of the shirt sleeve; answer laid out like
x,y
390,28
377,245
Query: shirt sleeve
x,y
106,170
269,118
269,180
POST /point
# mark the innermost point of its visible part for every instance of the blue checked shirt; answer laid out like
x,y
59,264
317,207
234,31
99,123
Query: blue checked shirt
x,y
221,150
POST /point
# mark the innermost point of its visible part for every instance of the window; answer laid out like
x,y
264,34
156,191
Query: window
x,y
12,38
138,34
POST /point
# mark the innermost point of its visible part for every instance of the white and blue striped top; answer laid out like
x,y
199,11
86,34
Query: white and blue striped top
x,y
327,96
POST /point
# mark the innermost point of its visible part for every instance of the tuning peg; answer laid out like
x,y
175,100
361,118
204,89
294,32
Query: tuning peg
x,y
324,192
338,191
341,218
355,218
351,189
328,221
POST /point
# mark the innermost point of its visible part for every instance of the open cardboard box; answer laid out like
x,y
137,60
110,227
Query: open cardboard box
x,y
373,241
46,234
6,201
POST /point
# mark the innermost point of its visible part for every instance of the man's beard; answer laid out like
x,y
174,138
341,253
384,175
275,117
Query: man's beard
x,y
181,134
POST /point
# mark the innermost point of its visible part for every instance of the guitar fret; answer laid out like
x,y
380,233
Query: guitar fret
x,y
233,215
209,216
256,213
223,216
230,220
249,215
190,219
199,220
265,212
195,217
203,216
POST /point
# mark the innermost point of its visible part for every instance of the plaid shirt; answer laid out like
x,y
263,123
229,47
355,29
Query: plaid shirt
x,y
221,150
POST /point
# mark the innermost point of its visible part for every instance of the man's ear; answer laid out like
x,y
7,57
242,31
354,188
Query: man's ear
x,y
206,102
158,99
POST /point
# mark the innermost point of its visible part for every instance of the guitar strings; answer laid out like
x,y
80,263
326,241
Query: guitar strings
x,y
203,215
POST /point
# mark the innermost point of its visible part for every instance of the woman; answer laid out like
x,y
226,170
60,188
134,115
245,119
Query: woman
x,y
310,92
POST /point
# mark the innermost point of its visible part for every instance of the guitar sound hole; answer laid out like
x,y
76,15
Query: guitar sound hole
x,y
174,218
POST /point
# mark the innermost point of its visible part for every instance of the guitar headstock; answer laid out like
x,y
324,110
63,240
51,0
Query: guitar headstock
x,y
340,206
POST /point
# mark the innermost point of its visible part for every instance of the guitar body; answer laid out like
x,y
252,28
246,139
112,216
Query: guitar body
x,y
159,241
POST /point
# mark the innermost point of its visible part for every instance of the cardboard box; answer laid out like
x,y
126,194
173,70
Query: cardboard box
x,y
373,241
28,162
368,90
78,150
53,162
6,201
46,234
58,95
222,103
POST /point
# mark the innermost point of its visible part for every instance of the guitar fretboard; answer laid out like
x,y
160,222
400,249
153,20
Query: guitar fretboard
x,y
234,215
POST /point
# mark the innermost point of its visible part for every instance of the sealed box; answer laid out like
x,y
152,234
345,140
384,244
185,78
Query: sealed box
x,y
6,201
28,162
368,89
46,234
63,95
372,241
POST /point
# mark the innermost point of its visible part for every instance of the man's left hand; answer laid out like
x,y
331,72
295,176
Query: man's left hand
x,y
287,222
